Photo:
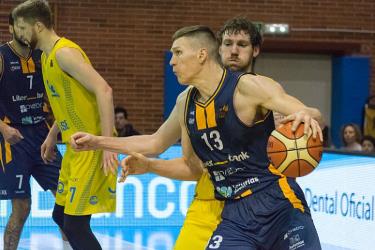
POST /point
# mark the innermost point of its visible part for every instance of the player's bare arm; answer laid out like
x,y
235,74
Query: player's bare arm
x,y
187,168
47,151
72,62
259,91
153,144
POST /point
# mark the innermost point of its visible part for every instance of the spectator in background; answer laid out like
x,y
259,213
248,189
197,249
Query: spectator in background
x,y
368,144
351,136
123,126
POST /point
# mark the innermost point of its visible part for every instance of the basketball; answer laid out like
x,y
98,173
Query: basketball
x,y
293,153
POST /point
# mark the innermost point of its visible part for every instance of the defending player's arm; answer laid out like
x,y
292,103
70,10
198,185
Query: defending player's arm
x,y
47,149
10,134
72,62
269,94
154,144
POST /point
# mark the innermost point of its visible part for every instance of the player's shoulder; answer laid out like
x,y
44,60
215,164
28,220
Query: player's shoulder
x,y
181,98
249,83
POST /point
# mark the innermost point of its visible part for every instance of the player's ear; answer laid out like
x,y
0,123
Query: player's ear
x,y
256,51
202,55
39,26
11,29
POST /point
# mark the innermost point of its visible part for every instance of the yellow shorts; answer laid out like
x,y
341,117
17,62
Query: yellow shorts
x,y
83,188
202,218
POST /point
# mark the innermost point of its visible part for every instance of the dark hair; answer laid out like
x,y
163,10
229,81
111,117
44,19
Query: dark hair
x,y
238,24
121,110
203,35
10,19
34,11
357,131
368,138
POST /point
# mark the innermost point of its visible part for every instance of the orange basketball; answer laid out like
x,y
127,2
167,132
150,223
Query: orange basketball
x,y
294,154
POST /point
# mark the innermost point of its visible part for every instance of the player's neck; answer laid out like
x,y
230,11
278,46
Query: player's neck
x,y
209,81
48,40
22,50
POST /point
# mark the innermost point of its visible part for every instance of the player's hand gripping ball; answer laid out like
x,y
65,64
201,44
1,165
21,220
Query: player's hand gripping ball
x,y
293,153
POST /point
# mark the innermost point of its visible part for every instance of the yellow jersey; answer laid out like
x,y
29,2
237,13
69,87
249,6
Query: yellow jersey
x,y
75,108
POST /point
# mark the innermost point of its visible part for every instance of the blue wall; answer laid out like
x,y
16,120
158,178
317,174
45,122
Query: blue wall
x,y
350,89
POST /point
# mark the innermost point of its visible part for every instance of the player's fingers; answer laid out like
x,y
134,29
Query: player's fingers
x,y
82,139
73,143
42,151
19,134
288,118
307,122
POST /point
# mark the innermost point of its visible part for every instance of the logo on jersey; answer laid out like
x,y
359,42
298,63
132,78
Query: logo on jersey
x,y
27,107
191,118
52,89
27,120
15,66
3,192
240,157
223,111
63,125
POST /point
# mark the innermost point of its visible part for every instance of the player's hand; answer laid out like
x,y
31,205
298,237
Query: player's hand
x,y
11,135
311,125
133,164
110,162
47,150
82,141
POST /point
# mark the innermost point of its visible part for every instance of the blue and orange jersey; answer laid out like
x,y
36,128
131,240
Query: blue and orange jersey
x,y
234,153
22,89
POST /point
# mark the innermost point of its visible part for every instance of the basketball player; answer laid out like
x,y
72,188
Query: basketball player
x,y
23,129
240,43
81,100
225,122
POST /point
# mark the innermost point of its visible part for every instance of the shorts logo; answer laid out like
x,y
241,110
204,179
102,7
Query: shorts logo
x,y
60,187
224,191
93,200
112,191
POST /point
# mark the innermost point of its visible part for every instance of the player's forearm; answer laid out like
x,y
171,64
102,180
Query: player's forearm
x,y
54,131
175,169
144,144
105,105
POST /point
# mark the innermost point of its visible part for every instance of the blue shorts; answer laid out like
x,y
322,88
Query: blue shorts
x,y
20,161
276,218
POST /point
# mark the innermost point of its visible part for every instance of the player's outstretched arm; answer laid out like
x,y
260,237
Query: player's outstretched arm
x,y
154,144
178,168
72,62
270,95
